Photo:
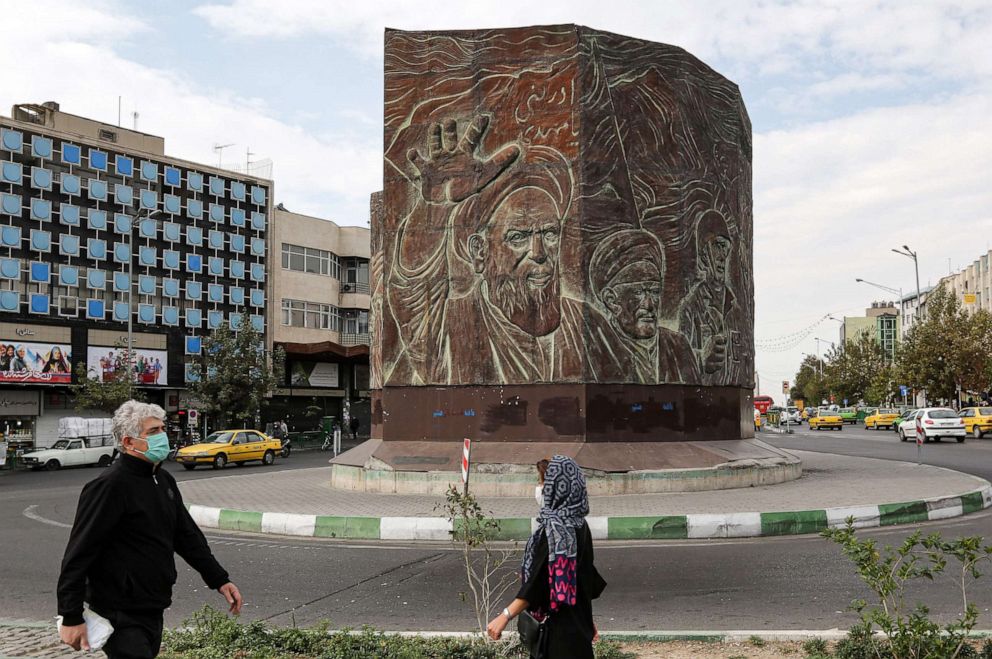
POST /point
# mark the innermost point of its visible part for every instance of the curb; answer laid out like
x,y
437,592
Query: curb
x,y
669,527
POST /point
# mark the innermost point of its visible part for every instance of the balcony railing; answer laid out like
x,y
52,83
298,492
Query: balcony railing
x,y
355,287
350,339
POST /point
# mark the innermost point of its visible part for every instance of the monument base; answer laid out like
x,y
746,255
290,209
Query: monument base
x,y
507,468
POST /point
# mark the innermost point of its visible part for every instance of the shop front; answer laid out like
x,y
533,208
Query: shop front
x,y
19,410
322,380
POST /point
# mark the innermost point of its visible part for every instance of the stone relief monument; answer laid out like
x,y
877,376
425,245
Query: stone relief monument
x,y
562,254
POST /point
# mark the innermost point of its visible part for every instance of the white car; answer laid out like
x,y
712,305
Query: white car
x,y
937,423
792,416
71,453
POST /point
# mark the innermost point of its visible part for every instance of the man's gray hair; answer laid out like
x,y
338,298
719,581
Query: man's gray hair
x,y
130,417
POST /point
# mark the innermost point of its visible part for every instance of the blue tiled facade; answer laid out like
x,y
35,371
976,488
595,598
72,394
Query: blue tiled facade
x,y
74,212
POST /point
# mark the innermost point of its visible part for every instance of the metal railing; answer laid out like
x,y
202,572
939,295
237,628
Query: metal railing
x,y
355,287
350,339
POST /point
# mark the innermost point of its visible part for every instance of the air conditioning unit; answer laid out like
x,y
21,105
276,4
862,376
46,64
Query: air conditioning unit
x,y
346,288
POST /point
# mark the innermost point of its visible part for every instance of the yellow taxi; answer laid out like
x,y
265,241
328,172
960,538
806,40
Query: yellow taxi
x,y
757,419
225,446
977,420
821,419
806,414
881,418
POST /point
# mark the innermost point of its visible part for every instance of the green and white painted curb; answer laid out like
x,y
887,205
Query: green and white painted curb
x,y
667,527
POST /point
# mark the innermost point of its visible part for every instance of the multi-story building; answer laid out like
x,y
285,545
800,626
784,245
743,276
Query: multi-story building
x,y
882,320
913,306
972,285
321,308
99,227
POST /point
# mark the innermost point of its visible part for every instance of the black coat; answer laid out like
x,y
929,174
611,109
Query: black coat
x,y
130,523
570,628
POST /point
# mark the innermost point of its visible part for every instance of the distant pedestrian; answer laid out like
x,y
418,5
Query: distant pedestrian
x,y
129,523
558,577
354,424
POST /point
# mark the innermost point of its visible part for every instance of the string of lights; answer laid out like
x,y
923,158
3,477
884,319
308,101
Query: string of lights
x,y
789,341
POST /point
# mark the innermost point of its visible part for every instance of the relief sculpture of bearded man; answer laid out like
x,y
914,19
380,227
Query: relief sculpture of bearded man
x,y
501,218
626,275
706,316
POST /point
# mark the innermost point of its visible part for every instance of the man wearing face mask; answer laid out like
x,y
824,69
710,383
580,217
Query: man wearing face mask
x,y
129,523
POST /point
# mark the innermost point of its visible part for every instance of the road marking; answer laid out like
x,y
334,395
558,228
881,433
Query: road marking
x,y
30,513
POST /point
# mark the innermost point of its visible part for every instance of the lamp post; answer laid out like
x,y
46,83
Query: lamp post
x,y
910,254
146,215
818,359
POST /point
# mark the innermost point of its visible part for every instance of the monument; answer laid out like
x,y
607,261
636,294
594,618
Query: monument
x,y
561,259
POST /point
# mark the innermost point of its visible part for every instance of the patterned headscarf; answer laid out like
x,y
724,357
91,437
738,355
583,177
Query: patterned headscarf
x,y
564,508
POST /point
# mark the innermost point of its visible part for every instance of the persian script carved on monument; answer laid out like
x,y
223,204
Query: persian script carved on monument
x,y
561,205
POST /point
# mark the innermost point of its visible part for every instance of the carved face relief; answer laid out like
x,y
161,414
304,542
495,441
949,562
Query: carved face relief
x,y
714,258
635,303
518,259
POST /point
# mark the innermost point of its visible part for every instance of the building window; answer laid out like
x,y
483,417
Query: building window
x,y
308,259
311,315
356,276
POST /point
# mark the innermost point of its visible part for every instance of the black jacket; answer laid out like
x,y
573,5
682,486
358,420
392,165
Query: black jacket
x,y
129,524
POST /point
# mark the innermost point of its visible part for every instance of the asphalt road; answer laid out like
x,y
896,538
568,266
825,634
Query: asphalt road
x,y
764,583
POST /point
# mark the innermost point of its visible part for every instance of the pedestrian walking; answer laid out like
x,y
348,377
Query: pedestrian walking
x,y
129,524
558,575
354,425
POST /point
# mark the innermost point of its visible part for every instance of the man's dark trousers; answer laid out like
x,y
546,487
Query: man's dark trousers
x,y
137,634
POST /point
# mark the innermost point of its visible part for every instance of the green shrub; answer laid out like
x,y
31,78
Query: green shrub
x,y
816,648
211,634
909,633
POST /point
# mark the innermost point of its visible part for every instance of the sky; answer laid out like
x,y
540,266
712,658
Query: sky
x,y
872,120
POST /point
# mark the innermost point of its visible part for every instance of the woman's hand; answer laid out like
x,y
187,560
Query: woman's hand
x,y
496,627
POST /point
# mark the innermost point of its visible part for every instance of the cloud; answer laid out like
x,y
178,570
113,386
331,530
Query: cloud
x,y
832,198
946,37
73,62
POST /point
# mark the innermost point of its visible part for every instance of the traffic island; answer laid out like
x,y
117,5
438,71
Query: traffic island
x,y
833,488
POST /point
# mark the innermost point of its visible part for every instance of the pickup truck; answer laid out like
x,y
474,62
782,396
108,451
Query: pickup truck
x,y
72,453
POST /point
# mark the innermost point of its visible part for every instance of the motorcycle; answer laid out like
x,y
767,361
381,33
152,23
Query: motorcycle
x,y
287,447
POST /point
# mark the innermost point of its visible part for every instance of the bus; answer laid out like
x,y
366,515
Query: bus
x,y
762,403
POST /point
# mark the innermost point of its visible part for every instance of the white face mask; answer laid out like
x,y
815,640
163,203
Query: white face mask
x,y
539,495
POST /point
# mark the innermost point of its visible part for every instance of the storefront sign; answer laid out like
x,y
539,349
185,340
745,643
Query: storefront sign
x,y
314,374
150,367
23,331
19,403
41,363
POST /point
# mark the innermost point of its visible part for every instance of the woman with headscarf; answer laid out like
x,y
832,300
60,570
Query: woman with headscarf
x,y
56,362
558,577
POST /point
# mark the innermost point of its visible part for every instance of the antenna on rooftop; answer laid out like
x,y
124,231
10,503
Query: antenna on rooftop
x,y
248,155
219,150
134,119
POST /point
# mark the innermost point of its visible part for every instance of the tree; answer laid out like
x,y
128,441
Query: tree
x,y
858,370
947,349
809,383
234,375
103,391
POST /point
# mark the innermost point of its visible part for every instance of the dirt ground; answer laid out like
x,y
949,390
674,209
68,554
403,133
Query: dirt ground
x,y
701,650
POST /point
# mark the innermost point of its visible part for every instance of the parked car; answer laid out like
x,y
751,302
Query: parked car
x,y
224,446
977,420
881,418
71,453
848,414
937,423
824,418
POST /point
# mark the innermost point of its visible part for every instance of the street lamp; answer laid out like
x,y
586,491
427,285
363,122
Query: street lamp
x,y
908,253
818,341
140,215
902,311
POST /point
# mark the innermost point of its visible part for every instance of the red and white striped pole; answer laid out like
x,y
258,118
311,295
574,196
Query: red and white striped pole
x,y
466,461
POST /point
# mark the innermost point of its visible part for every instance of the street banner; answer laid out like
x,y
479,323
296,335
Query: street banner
x,y
35,363
466,461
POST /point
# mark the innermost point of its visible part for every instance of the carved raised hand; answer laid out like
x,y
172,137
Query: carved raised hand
x,y
451,171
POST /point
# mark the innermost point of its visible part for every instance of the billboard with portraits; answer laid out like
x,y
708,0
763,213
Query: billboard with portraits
x,y
36,363
151,367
